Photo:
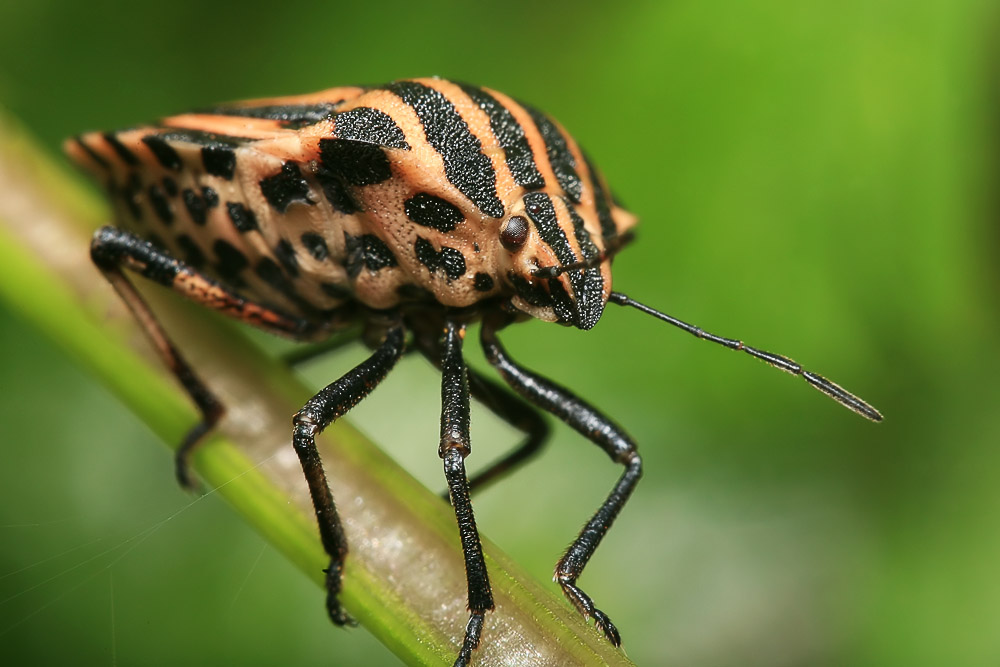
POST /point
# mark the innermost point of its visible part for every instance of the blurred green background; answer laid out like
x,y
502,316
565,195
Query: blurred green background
x,y
816,178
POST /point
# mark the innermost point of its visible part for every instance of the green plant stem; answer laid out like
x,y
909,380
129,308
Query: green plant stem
x,y
404,579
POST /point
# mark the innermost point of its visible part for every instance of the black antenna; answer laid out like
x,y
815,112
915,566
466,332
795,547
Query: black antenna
x,y
834,391
614,245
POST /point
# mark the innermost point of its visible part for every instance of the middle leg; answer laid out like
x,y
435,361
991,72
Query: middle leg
x,y
455,446
509,407
322,409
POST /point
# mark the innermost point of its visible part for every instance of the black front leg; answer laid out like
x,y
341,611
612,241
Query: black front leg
x,y
600,430
322,409
454,447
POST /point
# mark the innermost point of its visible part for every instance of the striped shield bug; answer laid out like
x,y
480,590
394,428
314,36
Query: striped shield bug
x,y
412,209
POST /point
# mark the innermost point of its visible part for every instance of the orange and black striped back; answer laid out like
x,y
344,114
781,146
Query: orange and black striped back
x,y
383,195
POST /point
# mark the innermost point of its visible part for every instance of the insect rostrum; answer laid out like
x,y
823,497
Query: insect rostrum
x,y
413,210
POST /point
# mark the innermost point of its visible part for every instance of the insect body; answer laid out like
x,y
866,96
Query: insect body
x,y
414,209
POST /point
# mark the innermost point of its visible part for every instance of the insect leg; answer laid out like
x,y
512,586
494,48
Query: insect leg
x,y
454,447
112,250
599,429
507,406
320,411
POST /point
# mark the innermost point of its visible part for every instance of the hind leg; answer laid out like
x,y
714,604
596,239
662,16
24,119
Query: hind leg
x,y
114,250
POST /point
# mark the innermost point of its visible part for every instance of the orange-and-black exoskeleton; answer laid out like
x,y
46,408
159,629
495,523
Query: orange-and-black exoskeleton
x,y
413,208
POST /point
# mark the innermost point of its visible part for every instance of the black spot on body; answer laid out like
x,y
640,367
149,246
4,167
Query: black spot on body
x,y
510,136
243,218
231,261
316,246
219,161
430,211
370,126
163,152
170,186
130,193
160,204
366,251
345,164
193,256
271,273
286,255
195,206
465,165
337,192
426,254
285,187
453,262
127,156
217,151
210,196
562,160
483,282
354,162
449,259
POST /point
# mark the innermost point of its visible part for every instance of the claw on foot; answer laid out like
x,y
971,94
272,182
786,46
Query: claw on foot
x,y
473,631
585,606
333,608
337,613
607,627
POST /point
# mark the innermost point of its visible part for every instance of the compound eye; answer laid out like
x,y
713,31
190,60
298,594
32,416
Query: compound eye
x,y
514,233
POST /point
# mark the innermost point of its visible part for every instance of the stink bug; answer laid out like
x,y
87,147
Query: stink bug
x,y
412,209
